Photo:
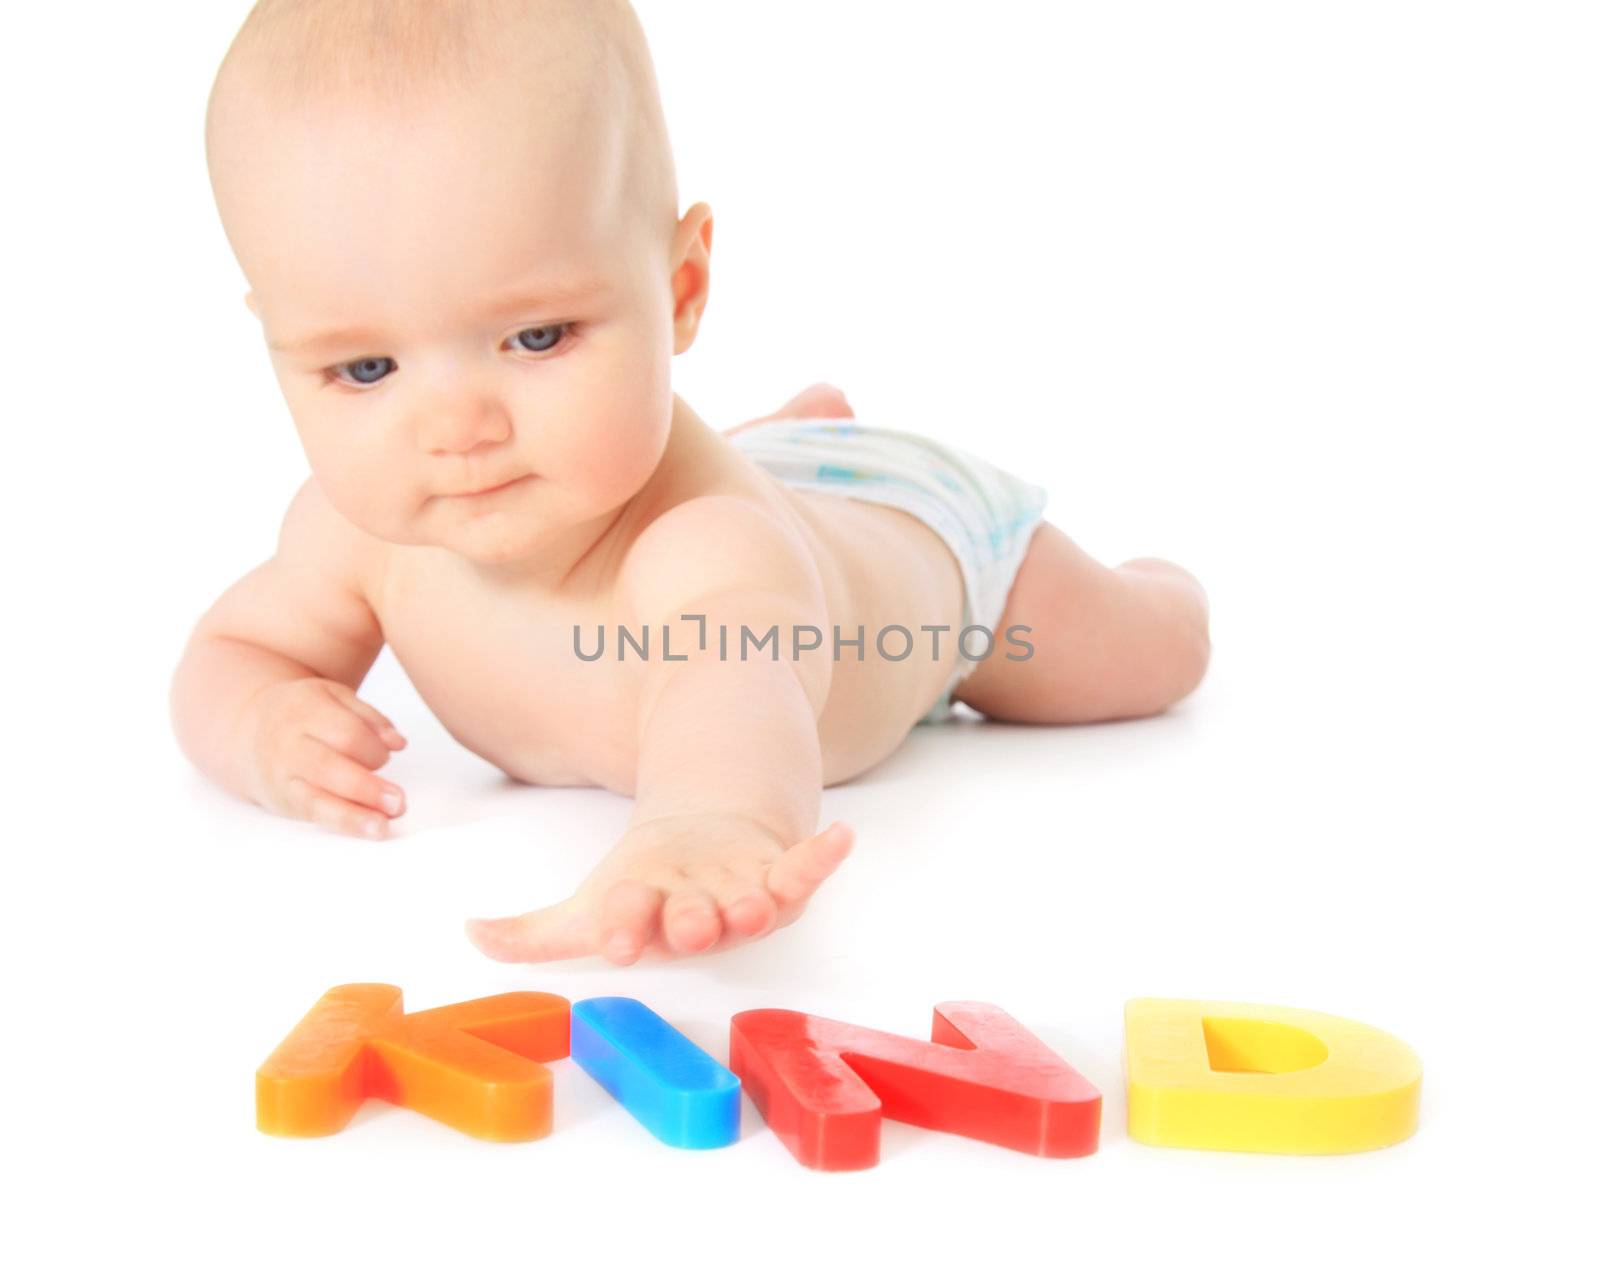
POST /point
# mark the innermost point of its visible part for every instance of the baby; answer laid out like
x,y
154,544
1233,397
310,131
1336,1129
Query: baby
x,y
459,223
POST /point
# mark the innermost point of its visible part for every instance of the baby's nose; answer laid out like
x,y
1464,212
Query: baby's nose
x,y
462,423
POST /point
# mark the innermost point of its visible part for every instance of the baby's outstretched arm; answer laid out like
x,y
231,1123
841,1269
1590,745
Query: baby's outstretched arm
x,y
263,700
721,845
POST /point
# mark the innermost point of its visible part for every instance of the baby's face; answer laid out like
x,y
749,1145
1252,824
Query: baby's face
x,y
455,302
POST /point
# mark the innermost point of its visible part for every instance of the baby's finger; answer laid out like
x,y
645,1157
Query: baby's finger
x,y
800,870
690,921
342,776
341,729
556,931
331,812
747,906
628,920
380,722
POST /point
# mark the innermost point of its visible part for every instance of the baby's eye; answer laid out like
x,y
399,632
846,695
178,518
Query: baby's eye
x,y
365,372
538,340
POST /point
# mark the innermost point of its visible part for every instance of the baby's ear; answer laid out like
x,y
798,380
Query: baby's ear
x,y
250,301
691,275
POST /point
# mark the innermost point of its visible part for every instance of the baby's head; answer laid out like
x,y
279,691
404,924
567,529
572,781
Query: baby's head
x,y
458,219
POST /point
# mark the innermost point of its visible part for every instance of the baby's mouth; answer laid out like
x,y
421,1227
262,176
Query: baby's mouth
x,y
497,488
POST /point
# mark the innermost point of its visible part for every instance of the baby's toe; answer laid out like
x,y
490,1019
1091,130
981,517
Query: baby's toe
x,y
690,921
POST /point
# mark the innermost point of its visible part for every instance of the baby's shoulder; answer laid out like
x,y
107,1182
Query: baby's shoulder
x,y
316,538
711,543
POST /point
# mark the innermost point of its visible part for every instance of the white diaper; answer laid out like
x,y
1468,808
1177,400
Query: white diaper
x,y
984,514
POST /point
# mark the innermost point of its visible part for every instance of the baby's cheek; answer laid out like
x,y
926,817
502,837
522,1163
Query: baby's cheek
x,y
613,456
364,492
632,459
358,504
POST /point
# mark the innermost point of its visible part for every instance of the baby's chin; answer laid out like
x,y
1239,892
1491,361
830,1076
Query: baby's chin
x,y
504,530
500,541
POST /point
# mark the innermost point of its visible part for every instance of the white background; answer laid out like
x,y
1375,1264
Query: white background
x,y
1301,296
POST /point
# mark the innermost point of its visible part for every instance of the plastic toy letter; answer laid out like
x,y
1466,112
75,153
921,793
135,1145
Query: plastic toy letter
x,y
683,1096
470,1065
1263,1079
824,1086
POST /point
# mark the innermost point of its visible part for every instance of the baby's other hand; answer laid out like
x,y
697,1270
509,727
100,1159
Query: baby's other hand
x,y
675,885
314,746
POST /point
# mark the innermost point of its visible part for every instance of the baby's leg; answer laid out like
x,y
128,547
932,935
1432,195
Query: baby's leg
x,y
1108,642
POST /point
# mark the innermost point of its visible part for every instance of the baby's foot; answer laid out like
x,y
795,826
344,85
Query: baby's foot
x,y
818,401
672,886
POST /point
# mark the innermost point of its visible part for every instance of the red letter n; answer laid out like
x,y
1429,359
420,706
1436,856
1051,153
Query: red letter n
x,y
824,1086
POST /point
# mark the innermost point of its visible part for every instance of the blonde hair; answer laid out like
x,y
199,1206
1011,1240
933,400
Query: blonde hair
x,y
397,53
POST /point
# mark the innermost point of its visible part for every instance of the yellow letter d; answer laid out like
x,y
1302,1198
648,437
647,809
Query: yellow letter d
x,y
1264,1079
